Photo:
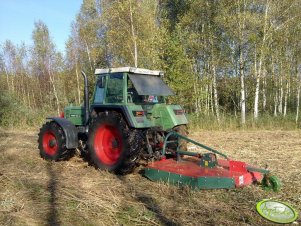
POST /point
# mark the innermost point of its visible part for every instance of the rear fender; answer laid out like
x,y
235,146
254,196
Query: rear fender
x,y
70,131
119,108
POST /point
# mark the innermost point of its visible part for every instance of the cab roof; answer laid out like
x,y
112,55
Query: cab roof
x,y
133,70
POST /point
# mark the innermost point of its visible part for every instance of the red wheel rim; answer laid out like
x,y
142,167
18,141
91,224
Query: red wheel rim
x,y
50,143
108,144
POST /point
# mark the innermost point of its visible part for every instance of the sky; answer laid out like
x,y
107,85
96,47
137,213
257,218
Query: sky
x,y
17,19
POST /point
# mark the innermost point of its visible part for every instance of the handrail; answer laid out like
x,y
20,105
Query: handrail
x,y
173,133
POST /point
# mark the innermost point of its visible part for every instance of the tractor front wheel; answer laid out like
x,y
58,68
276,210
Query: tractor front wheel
x,y
112,145
52,142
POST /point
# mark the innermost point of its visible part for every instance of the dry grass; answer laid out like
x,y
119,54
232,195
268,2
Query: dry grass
x,y
36,192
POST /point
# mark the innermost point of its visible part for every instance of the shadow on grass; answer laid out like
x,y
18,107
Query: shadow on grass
x,y
150,204
52,217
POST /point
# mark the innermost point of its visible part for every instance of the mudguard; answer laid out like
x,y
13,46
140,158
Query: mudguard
x,y
70,131
118,108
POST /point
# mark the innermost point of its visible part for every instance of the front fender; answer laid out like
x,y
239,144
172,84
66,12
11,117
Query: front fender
x,y
71,132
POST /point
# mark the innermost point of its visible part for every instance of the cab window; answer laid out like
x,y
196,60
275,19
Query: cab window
x,y
115,88
100,90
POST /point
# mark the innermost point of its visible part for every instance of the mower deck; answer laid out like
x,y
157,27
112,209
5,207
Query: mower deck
x,y
188,171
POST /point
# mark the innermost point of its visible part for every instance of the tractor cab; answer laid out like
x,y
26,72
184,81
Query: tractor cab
x,y
139,95
129,85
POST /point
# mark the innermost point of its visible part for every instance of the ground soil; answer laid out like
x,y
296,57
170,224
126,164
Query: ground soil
x,y
36,192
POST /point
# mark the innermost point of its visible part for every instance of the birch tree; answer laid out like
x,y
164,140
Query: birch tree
x,y
44,63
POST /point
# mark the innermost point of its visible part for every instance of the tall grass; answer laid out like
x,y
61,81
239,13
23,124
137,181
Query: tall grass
x,y
231,122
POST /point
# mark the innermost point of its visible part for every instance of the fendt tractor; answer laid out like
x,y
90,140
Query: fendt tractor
x,y
126,120
129,120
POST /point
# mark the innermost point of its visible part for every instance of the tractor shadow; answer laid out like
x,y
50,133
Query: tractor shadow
x,y
52,216
149,203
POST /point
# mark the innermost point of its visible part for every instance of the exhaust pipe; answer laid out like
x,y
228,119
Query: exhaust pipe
x,y
86,98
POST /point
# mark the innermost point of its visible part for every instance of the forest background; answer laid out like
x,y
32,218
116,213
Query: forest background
x,y
232,64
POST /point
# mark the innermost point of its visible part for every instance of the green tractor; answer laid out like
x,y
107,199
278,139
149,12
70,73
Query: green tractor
x,y
127,120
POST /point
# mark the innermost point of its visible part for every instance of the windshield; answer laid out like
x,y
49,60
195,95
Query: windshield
x,y
150,85
134,97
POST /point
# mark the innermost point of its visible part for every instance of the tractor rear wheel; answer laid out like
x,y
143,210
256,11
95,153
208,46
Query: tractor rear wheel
x,y
52,142
112,145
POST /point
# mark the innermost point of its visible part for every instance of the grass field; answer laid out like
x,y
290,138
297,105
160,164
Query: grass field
x,y
36,192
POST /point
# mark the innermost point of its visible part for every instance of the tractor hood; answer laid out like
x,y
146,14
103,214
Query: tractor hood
x,y
150,85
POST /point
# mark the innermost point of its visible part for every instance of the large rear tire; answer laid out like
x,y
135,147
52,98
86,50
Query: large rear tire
x,y
52,142
112,145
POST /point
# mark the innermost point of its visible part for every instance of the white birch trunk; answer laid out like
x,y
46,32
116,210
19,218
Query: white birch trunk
x,y
298,101
241,26
285,99
264,97
7,79
280,97
195,89
207,99
275,93
211,98
258,75
242,89
89,56
51,77
134,37
275,103
215,95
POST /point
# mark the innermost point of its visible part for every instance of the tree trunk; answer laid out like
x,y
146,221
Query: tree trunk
x,y
134,37
89,57
280,97
275,103
264,97
211,98
241,27
256,97
258,75
275,90
215,95
285,99
298,101
196,96
51,77
7,79
242,88
207,99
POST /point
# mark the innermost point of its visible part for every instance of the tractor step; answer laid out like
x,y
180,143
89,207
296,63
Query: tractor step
x,y
188,171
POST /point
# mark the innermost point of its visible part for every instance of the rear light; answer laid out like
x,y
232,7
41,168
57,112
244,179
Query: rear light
x,y
62,115
138,113
179,111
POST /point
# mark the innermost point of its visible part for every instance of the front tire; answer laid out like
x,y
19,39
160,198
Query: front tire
x,y
52,142
112,145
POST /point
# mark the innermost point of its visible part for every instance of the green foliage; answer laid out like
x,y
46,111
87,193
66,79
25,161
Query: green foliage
x,y
13,113
204,47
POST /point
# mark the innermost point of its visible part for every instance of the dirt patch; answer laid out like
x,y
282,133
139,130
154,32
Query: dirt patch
x,y
36,192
